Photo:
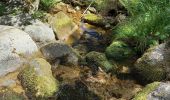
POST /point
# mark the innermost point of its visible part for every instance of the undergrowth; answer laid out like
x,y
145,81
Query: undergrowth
x,y
148,23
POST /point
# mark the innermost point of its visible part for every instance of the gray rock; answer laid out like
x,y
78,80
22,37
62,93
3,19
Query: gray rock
x,y
14,45
154,65
161,92
59,51
40,33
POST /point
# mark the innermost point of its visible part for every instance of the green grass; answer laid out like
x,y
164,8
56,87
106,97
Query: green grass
x,y
148,23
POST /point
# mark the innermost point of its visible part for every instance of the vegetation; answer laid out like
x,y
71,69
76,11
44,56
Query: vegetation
x,y
148,24
46,4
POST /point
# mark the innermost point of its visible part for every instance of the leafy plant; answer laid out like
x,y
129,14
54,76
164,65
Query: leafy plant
x,y
148,24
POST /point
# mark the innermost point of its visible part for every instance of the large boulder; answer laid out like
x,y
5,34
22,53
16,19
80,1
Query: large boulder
x,y
37,79
63,26
14,45
154,64
155,91
96,59
40,33
59,51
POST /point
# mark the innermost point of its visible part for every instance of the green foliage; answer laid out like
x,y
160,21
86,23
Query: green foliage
x,y
2,9
38,15
148,24
47,4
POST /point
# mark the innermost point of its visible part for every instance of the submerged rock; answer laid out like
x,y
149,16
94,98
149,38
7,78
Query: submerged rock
x,y
14,45
63,26
60,51
37,79
96,59
118,50
154,64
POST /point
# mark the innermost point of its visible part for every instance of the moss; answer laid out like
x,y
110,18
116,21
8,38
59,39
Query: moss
x,y
62,20
94,19
100,60
144,93
8,94
118,50
37,79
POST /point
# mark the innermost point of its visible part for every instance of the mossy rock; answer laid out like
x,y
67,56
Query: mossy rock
x,y
145,92
152,65
37,79
97,59
9,94
118,50
63,26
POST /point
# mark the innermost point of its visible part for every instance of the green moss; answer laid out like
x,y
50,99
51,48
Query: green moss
x,y
2,9
62,20
118,50
144,93
93,18
37,79
100,60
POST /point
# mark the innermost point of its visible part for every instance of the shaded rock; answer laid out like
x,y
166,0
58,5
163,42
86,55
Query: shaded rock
x,y
143,95
8,94
96,59
40,33
18,21
154,64
118,50
37,79
14,45
63,26
60,51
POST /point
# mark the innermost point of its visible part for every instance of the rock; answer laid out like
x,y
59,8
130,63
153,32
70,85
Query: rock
x,y
37,79
8,94
118,50
14,45
96,59
154,64
63,26
60,51
144,94
18,21
40,33
161,92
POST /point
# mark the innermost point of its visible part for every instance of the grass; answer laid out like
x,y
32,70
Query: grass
x,y
148,23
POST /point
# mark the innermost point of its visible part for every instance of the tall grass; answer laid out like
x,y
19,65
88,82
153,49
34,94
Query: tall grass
x,y
149,23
